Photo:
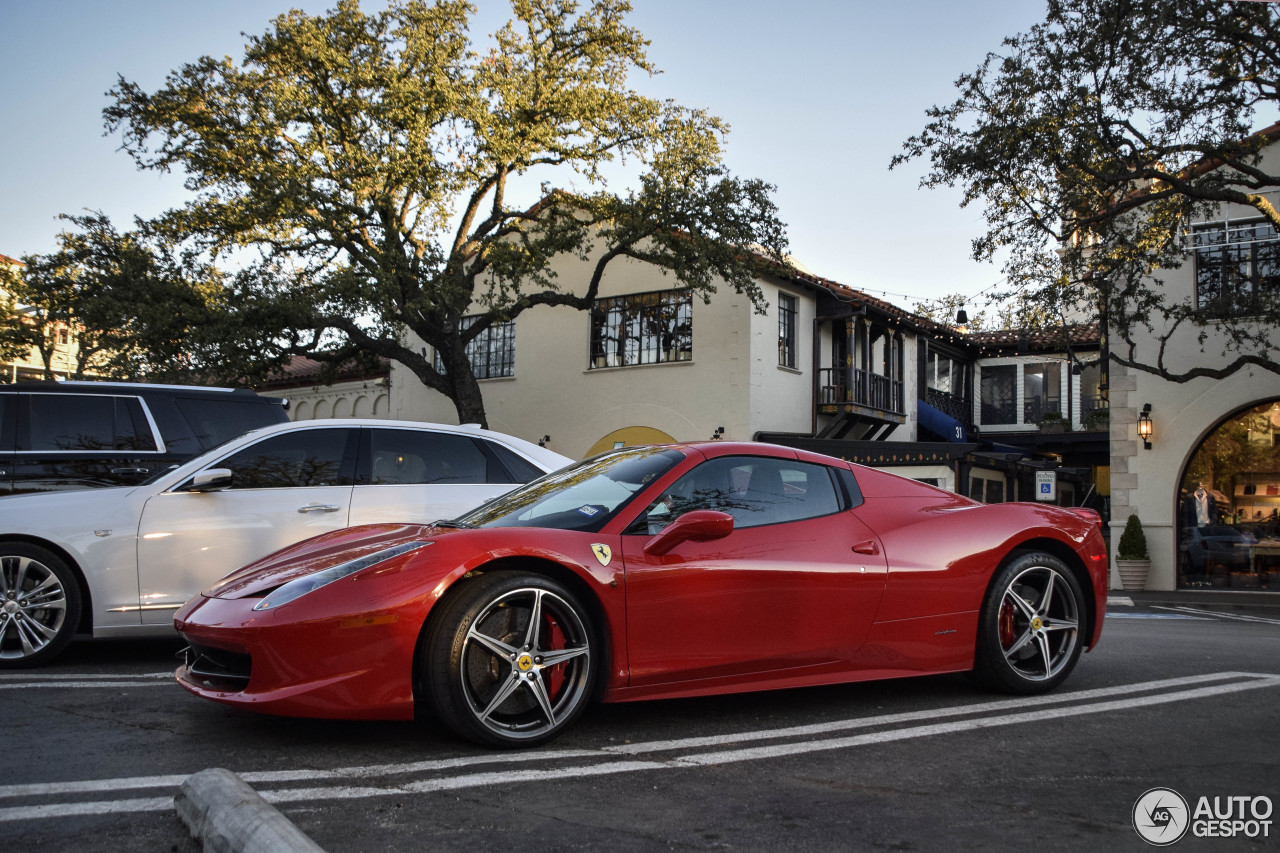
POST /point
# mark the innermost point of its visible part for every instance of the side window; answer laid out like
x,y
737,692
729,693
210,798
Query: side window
x,y
86,422
70,422
408,456
132,430
754,490
314,457
220,420
8,411
521,469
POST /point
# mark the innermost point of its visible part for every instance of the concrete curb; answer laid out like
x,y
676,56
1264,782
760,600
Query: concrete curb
x,y
228,816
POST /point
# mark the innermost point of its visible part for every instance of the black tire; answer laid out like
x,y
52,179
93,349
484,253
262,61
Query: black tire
x,y
498,676
39,605
1032,626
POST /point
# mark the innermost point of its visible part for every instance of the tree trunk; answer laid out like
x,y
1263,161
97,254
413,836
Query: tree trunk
x,y
468,400
464,390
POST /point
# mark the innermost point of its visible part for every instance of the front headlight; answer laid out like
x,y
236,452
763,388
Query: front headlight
x,y
285,593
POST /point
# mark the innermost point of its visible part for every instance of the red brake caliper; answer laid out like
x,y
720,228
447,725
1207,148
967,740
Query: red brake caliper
x,y
555,642
1006,625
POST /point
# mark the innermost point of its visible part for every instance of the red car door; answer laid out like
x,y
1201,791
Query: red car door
x,y
794,586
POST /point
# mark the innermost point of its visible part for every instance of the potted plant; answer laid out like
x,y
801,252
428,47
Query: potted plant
x,y
1133,562
1097,421
1052,422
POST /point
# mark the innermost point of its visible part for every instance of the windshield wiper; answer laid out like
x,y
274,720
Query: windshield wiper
x,y
446,522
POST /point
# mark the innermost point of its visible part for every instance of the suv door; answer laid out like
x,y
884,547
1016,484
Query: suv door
x,y
284,488
77,441
8,416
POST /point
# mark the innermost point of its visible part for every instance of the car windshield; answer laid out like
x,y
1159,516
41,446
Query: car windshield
x,y
580,497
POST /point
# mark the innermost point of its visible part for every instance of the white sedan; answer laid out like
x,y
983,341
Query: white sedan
x,y
119,561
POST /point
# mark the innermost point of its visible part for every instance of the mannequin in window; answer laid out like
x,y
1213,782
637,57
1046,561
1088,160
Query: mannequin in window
x,y
1203,505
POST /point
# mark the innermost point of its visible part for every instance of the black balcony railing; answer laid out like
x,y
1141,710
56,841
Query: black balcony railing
x,y
1090,403
1035,408
959,408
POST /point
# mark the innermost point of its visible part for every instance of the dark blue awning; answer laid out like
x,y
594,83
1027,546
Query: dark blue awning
x,y
940,423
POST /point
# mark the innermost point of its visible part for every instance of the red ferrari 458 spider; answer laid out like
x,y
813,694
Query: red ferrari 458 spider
x,y
653,572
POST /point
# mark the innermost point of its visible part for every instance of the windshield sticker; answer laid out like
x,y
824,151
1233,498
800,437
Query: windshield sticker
x,y
588,510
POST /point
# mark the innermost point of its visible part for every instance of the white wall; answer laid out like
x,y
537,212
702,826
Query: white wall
x,y
732,381
362,399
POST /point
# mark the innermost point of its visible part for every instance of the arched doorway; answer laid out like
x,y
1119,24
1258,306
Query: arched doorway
x,y
630,437
1229,504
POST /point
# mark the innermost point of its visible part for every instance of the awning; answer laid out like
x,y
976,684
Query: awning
x,y
940,423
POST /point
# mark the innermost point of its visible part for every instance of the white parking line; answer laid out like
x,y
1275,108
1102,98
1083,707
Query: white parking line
x,y
81,685
608,760
1238,617
79,676
81,680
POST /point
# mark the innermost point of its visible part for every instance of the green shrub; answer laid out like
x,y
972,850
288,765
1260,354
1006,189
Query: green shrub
x,y
1133,542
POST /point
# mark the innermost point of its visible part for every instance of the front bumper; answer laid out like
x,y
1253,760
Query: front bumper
x,y
340,666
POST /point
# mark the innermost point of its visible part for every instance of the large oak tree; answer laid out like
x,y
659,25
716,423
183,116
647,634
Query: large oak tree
x,y
385,171
1095,140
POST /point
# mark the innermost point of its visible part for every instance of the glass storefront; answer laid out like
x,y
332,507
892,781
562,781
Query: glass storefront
x,y
1229,505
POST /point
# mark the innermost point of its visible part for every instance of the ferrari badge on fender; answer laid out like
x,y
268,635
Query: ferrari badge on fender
x,y
603,553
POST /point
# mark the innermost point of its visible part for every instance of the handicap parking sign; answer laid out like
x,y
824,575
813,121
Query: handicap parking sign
x,y
1046,485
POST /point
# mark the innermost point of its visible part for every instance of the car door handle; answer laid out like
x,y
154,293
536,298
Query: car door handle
x,y
319,508
130,471
868,547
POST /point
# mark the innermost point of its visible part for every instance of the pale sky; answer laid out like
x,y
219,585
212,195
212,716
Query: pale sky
x,y
820,95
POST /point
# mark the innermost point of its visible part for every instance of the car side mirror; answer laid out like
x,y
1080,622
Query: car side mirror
x,y
701,525
211,480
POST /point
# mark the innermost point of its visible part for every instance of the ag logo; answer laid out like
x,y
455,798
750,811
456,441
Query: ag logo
x,y
603,553
1161,817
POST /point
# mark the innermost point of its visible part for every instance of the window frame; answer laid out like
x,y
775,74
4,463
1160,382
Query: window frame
x,y
499,337
630,330
788,313
1219,247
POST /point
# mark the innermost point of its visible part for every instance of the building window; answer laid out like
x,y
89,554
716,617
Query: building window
x,y
786,330
1041,391
642,328
939,372
492,353
986,486
1237,266
999,394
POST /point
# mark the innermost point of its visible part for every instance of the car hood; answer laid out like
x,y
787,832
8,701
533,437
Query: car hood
x,y
316,554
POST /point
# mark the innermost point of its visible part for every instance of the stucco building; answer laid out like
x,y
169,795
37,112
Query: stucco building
x,y
1206,486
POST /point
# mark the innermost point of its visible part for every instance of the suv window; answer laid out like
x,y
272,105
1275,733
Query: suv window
x,y
313,457
80,422
218,421
754,490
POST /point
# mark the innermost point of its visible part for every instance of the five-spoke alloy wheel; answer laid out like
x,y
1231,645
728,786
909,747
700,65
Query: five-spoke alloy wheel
x,y
1029,636
509,660
39,605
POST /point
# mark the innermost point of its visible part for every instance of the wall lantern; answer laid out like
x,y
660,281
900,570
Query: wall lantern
x,y
1145,429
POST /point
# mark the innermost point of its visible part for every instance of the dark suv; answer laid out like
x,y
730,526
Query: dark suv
x,y
79,435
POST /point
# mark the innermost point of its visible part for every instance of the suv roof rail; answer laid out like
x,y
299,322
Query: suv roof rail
x,y
91,383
